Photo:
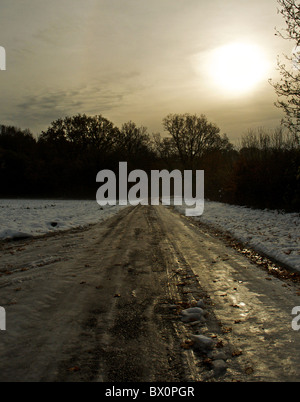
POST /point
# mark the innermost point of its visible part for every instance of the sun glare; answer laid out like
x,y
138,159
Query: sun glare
x,y
237,68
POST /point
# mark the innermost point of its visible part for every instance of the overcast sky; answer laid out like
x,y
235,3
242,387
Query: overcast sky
x,y
136,60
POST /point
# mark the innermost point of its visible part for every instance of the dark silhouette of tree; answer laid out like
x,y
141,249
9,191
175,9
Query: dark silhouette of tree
x,y
134,144
192,136
83,132
74,149
15,139
266,172
288,88
165,149
17,161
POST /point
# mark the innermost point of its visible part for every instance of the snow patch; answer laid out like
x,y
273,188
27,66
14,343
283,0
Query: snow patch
x,y
272,232
202,342
26,218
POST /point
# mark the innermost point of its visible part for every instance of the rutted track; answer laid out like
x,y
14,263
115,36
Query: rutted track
x,y
103,304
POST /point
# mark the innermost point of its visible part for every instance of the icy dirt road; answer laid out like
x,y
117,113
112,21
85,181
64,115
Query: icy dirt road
x,y
105,304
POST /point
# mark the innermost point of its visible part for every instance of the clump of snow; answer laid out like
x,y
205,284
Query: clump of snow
x,y
273,232
202,342
9,234
192,314
219,366
200,303
25,218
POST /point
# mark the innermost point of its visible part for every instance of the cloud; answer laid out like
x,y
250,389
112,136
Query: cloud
x,y
64,30
37,110
134,60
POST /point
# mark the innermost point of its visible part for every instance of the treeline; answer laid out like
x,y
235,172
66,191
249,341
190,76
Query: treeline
x,y
263,171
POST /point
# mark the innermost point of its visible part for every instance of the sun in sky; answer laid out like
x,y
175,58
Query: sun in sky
x,y
237,68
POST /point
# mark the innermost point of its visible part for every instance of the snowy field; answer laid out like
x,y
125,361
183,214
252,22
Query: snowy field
x,y
274,233
19,218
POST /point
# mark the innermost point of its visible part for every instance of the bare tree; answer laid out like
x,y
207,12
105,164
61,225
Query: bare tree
x,y
133,140
82,131
288,88
192,135
268,140
164,147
